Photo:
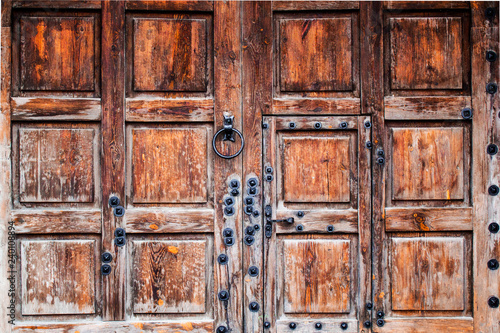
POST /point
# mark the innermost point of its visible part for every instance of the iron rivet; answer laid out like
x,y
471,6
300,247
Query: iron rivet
x,y
493,190
300,227
493,264
368,124
256,227
228,232
249,240
343,125
229,211
120,241
254,306
493,302
292,326
119,211
235,192
249,231
318,326
380,160
490,13
253,271
368,324
267,324
265,126
249,201
269,169
467,113
292,125
491,88
252,182
229,202
223,259
248,210
106,257
300,213
252,191
105,269
269,178
256,213
494,227
317,125
369,306
380,314
234,183
221,329
492,149
491,56
114,201
119,232
369,145
223,295
344,326
380,152
229,241
380,322
330,228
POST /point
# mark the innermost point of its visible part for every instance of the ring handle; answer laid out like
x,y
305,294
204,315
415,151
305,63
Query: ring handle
x,y
228,157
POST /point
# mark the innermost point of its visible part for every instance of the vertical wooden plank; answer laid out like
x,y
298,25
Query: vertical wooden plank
x,y
257,90
5,168
372,103
227,101
113,152
485,125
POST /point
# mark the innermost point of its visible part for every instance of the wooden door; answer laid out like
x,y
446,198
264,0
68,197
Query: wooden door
x,y
125,219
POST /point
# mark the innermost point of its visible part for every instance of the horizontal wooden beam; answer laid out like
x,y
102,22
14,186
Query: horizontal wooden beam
x,y
428,219
314,5
425,325
92,4
74,109
170,5
328,325
308,123
169,220
170,110
426,108
315,106
426,5
31,221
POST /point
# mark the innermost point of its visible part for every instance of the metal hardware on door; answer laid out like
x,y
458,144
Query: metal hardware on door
x,y
249,201
369,145
343,125
368,324
490,13
120,237
223,295
229,241
292,125
256,227
494,227
493,190
330,228
253,271
267,324
368,124
369,306
289,220
249,240
300,214
491,88
228,232
292,325
493,264
235,192
381,156
317,125
106,257
120,241
250,231
492,149
223,259
299,228
221,329
344,326
119,211
229,211
254,307
249,210
252,182
380,322
113,201
269,170
105,269
318,326
380,314
252,191
491,56
467,113
229,201
228,131
119,232
493,302
234,184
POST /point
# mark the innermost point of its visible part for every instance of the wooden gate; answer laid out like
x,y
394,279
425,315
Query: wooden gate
x,y
364,197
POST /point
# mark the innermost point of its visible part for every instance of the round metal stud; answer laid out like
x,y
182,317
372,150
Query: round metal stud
x,y
256,213
493,264
292,125
267,324
249,210
492,149
343,125
249,201
368,124
252,190
221,329
120,241
318,326
269,178
317,125
269,169
223,259
106,257
119,232
229,211
369,306
253,182
380,322
114,201
380,160
490,13
491,88
253,271
493,302
300,213
235,192
265,125
380,152
254,307
344,326
292,325
223,295
491,56
229,241
228,232
368,324
493,190
380,314
330,228
256,227
249,240
119,211
234,183
299,228
369,145
249,231
467,113
229,201
494,227
105,269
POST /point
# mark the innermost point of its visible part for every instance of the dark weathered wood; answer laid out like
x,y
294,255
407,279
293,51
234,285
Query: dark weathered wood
x,y
172,5
113,152
428,108
423,5
314,106
428,219
169,220
161,110
34,108
181,326
50,4
314,5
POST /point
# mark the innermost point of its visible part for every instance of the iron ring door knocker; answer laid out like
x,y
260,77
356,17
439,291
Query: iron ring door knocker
x,y
228,136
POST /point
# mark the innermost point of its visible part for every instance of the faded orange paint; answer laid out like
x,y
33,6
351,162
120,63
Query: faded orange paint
x,y
173,249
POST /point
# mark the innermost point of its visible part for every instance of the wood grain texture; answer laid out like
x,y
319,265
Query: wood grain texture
x,y
422,5
313,282
319,177
56,165
426,53
169,220
325,45
169,276
307,325
314,5
317,220
423,325
57,53
428,273
61,281
170,54
73,4
172,110
39,108
174,5
427,219
169,165
428,163
428,108
29,221
314,106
